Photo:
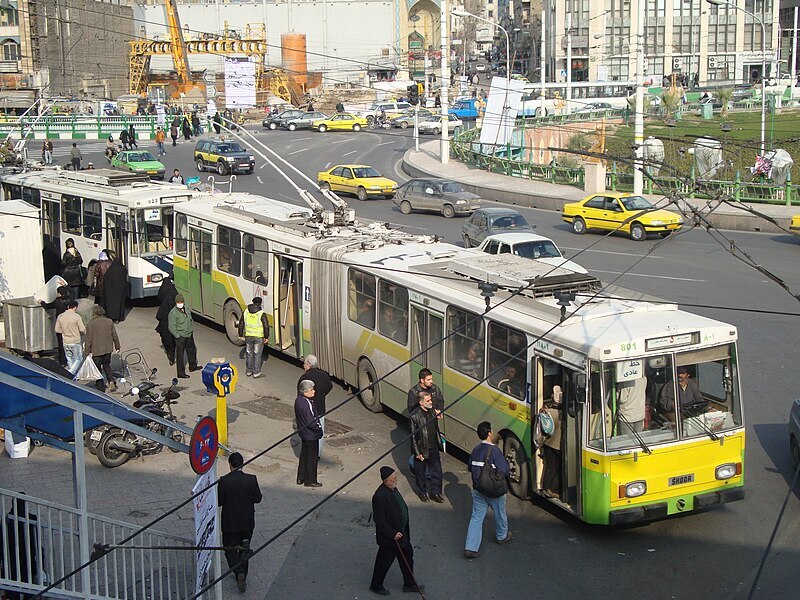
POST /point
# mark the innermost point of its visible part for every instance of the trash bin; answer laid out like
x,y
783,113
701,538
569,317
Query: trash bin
x,y
706,111
29,327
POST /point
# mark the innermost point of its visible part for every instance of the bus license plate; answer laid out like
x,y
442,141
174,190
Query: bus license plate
x,y
681,479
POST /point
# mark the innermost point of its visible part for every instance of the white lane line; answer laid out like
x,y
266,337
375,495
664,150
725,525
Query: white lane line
x,y
587,250
340,142
349,153
327,165
296,151
261,181
384,143
302,139
653,276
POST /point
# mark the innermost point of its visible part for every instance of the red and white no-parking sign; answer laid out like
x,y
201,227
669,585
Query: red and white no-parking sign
x,y
203,445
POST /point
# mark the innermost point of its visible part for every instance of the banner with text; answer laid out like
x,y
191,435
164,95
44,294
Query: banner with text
x,y
240,83
205,526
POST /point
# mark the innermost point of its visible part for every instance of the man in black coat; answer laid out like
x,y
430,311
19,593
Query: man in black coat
x,y
393,534
310,432
322,387
237,494
166,302
115,290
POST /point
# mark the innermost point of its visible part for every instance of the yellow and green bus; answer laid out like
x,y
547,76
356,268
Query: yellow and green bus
x,y
650,420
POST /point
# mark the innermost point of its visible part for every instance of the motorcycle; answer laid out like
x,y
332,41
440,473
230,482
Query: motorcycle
x,y
112,152
117,446
380,122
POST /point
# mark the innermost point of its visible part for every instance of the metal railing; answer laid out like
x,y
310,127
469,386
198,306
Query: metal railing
x,y
79,126
40,545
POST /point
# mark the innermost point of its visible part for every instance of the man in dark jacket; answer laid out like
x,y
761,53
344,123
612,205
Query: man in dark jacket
x,y
322,387
237,495
254,330
71,268
485,452
426,384
393,534
115,290
166,302
181,326
426,443
310,432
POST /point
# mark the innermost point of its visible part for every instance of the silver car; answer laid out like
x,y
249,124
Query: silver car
x,y
303,121
443,196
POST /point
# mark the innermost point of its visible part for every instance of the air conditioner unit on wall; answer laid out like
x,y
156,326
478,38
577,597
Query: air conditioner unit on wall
x,y
677,62
712,62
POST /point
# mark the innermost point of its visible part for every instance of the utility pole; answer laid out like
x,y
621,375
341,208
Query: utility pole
x,y
444,144
638,127
793,68
569,65
542,69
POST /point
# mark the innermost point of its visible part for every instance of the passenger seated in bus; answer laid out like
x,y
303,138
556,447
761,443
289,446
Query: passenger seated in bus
x,y
631,405
472,364
388,322
689,397
366,313
512,383
224,260
260,279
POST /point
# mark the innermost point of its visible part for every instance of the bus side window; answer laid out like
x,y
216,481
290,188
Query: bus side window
x,y
256,260
92,219
181,235
507,359
229,254
361,299
72,214
465,347
393,311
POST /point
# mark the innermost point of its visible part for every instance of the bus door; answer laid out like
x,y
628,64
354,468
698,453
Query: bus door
x,y
427,331
114,235
51,237
289,305
201,283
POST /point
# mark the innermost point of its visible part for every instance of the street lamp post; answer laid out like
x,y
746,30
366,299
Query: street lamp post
x,y
763,64
638,124
444,143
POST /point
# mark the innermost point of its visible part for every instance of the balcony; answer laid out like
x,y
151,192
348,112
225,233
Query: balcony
x,y
10,66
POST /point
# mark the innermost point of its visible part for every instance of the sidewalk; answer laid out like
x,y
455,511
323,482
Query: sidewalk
x,y
551,196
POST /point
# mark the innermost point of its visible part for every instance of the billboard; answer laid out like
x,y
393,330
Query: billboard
x,y
502,105
240,83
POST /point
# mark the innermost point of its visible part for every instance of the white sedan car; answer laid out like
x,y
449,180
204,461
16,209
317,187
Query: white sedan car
x,y
529,245
434,124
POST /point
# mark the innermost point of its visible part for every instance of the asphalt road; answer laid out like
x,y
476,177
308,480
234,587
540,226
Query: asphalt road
x,y
710,555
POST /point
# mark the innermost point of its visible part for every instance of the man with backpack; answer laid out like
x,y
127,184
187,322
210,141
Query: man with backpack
x,y
489,470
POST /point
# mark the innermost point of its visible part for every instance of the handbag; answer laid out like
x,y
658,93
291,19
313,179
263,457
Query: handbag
x,y
491,482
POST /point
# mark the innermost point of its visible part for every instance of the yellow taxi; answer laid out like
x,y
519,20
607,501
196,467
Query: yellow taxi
x,y
340,122
795,224
361,180
627,213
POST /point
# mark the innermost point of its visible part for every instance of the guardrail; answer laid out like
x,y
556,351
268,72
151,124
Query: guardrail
x,y
41,545
80,127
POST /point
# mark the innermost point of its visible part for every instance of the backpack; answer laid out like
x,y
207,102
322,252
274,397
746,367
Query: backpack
x,y
491,482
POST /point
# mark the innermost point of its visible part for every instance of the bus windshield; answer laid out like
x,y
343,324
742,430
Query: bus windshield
x,y
153,231
633,401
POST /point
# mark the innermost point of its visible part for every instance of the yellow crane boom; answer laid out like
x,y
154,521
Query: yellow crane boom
x,y
179,55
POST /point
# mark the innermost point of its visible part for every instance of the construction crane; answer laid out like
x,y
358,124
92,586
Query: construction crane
x,y
179,55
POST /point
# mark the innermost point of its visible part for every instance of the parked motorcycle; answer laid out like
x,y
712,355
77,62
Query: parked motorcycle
x,y
380,122
117,445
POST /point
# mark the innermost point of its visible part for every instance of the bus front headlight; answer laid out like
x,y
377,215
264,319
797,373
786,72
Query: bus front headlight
x,y
633,489
155,278
728,470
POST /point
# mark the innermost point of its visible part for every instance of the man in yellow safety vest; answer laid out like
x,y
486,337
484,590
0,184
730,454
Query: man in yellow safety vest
x,y
254,329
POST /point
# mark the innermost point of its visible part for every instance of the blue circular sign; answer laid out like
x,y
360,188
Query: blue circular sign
x,y
203,445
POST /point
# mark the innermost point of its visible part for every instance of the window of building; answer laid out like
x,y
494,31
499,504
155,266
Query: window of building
x,y
393,311
92,219
465,348
9,18
507,360
256,259
181,235
229,250
361,298
10,51
72,214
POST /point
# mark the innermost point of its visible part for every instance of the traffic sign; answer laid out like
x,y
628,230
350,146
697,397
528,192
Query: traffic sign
x,y
203,445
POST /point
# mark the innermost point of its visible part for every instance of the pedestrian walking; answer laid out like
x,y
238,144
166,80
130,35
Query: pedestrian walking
x,y
166,302
486,456
393,534
310,432
76,157
101,341
187,129
173,133
124,139
47,152
101,266
72,268
181,327
197,129
70,325
254,330
237,495
161,137
426,443
60,306
217,120
322,387
176,177
132,137
115,289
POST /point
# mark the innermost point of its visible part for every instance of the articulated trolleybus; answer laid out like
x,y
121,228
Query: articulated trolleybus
x,y
376,305
103,208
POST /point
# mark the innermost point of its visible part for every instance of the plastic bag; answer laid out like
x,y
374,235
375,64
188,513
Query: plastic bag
x,y
88,371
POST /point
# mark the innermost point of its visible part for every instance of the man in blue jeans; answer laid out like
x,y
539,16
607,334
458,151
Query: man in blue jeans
x,y
254,329
486,452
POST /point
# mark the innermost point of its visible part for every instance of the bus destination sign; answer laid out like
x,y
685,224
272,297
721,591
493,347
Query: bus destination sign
x,y
672,341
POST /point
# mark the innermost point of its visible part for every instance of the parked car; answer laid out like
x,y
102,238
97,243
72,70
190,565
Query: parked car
x,y
480,67
273,122
361,180
623,212
464,109
442,196
223,157
794,433
340,122
139,161
795,223
304,121
595,106
489,221
529,245
407,119
434,124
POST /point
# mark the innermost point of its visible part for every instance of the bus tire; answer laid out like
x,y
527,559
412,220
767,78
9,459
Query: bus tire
x,y
231,314
369,392
519,465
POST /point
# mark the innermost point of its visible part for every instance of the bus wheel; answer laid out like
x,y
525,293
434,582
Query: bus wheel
x,y
370,392
231,314
519,477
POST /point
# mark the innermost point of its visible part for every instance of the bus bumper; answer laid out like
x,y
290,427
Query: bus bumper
x,y
138,290
651,512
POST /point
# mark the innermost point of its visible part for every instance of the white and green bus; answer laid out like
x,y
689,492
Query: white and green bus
x,y
376,305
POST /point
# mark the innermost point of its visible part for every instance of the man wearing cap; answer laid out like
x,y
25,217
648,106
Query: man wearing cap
x,y
237,494
254,329
393,534
181,327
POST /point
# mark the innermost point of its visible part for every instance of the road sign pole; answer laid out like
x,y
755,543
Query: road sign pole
x,y
222,420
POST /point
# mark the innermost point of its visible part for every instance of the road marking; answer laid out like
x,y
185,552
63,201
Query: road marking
x,y
261,181
598,251
302,139
340,142
327,165
296,151
384,143
349,153
654,276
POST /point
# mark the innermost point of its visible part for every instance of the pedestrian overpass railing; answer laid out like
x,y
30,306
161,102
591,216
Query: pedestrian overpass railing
x,y
79,127
40,545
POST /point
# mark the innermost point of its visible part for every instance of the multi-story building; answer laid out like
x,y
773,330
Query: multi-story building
x,y
789,44
707,43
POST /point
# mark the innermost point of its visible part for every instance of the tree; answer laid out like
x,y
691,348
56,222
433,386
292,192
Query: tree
x,y
724,95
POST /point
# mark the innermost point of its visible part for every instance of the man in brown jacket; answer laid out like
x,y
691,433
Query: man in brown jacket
x,y
101,341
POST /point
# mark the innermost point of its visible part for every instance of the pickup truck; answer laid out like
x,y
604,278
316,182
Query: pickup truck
x,y
464,109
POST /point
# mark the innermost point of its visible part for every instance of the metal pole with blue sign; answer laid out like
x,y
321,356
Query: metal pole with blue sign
x,y
220,377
